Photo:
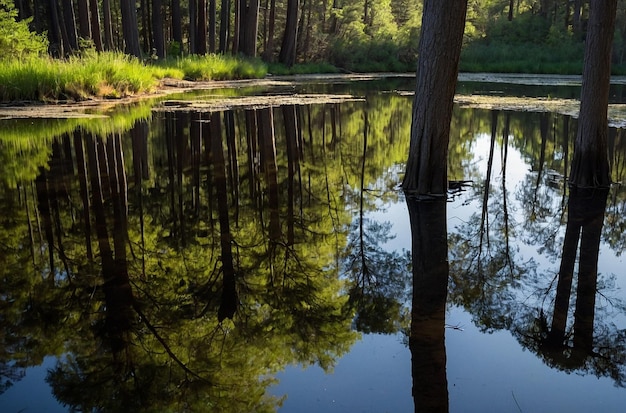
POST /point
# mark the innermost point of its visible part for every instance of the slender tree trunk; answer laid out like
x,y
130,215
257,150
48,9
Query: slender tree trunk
x,y
224,26
268,52
54,30
69,25
108,24
193,26
212,25
177,25
157,28
130,29
84,23
590,166
438,65
201,38
287,54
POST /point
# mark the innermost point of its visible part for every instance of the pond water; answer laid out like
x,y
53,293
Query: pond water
x,y
173,258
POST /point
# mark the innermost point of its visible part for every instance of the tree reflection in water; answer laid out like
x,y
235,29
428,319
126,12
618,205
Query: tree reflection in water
x,y
430,287
180,262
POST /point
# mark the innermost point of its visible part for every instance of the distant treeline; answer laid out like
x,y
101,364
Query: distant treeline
x,y
353,35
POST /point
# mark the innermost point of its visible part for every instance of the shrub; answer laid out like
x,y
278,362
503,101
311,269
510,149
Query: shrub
x,y
16,39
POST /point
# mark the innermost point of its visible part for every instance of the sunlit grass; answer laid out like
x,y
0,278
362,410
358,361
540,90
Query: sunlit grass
x,y
111,75
219,67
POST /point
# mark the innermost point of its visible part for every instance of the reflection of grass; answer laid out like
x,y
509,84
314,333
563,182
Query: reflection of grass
x,y
37,133
110,75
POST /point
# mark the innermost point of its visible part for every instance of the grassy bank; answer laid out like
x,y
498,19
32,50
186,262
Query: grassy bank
x,y
111,75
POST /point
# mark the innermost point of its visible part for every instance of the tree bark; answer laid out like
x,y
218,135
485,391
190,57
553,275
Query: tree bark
x,y
130,29
158,33
224,26
201,39
177,24
438,65
590,166
252,29
84,24
287,54
108,23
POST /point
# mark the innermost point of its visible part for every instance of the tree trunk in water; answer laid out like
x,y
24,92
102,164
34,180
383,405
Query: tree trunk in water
x,y
438,65
287,54
590,166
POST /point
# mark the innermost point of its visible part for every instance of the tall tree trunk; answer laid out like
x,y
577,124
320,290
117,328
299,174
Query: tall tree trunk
x,y
130,28
201,38
69,26
590,166
287,54
177,24
268,36
54,30
84,23
212,25
252,29
193,26
224,26
108,24
157,28
438,65
238,25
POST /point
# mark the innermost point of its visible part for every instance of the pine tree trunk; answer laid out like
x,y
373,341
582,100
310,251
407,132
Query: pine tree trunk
x,y
438,65
590,166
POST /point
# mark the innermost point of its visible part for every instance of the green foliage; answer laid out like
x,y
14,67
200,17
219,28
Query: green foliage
x,y
16,39
528,44
46,79
219,67
278,69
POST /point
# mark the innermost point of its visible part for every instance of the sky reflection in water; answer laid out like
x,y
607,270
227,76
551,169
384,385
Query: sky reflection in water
x,y
343,175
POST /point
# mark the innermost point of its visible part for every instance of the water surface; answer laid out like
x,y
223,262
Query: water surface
x,y
168,258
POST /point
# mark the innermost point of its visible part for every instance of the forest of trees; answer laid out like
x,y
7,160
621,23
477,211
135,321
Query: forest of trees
x,y
363,35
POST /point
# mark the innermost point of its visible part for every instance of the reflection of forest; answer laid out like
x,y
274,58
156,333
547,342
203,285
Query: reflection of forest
x,y
180,261
503,286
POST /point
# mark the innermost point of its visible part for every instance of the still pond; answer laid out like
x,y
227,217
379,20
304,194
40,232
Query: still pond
x,y
180,255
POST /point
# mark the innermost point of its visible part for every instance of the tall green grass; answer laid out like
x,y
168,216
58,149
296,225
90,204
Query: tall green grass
x,y
110,75
218,67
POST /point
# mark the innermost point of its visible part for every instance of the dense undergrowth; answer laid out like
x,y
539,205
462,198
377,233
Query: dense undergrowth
x,y
111,75
529,43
